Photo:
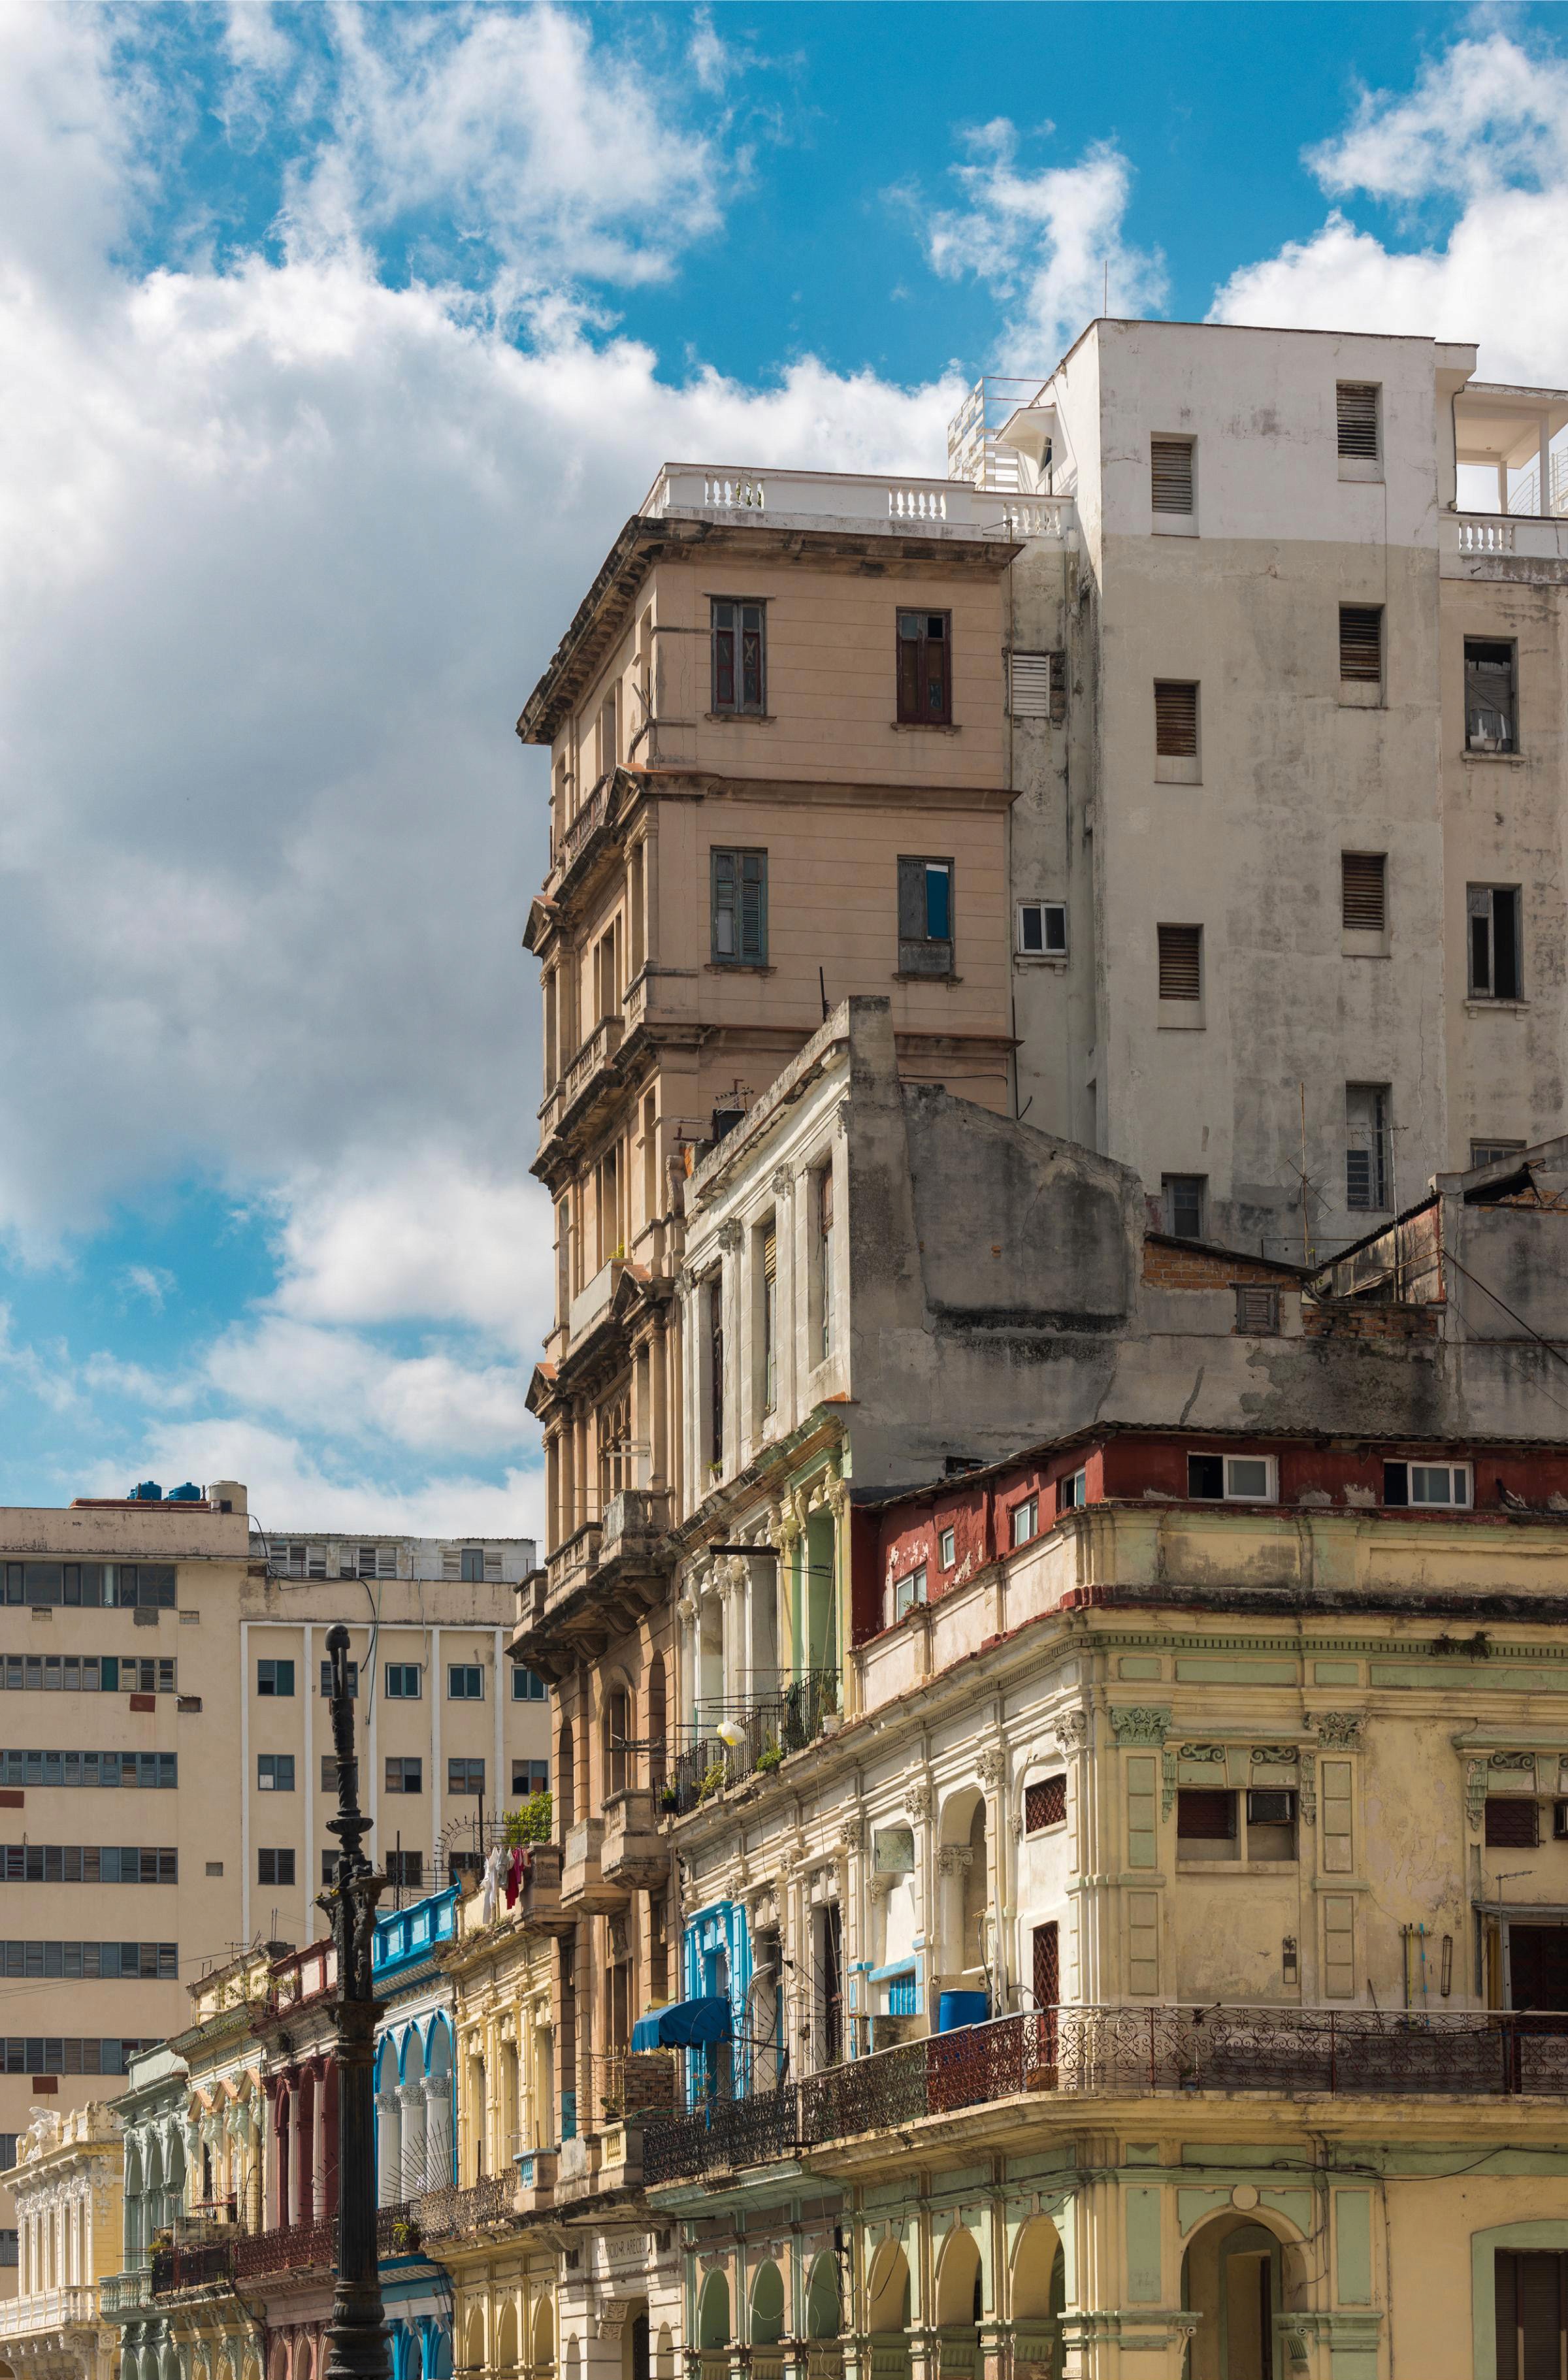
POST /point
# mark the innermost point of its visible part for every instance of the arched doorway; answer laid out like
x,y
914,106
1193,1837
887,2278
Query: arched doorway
x,y
1038,2295
714,2326
767,2322
888,2308
1237,2276
543,2350
959,2305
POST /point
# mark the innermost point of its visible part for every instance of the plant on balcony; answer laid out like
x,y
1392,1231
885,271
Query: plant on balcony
x,y
404,2235
531,1822
770,1758
669,1800
712,1780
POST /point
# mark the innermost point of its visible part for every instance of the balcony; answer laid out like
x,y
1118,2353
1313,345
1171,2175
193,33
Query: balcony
x,y
598,1582
1532,547
942,510
47,2310
634,1526
1120,2053
606,803
199,2265
580,1081
538,1902
804,1709
488,2205
124,2294
304,1976
631,1853
585,1888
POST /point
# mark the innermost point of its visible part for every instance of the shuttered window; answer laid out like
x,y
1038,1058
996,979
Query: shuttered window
x,y
1028,678
739,908
1532,2313
1180,961
1358,409
1257,1309
925,669
925,917
739,657
1361,643
1175,721
769,1316
1169,463
1363,885
1204,1815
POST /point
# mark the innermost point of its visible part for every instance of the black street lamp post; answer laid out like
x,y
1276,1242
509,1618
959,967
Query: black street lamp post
x,y
359,2348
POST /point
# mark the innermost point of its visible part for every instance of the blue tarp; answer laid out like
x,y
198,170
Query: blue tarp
x,y
684,2026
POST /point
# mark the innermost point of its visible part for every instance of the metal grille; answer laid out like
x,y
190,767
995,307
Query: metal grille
x,y
1180,961
1029,684
1045,1804
1361,643
1356,405
1170,474
1363,876
1175,721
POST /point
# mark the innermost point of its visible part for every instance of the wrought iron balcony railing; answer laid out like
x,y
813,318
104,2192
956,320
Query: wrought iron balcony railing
x,y
1121,2052
483,2206
768,1729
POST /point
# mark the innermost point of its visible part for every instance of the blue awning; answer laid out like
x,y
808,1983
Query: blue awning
x,y
684,2026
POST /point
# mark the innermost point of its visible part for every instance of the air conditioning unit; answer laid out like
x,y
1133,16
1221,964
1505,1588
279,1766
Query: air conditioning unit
x,y
1271,1806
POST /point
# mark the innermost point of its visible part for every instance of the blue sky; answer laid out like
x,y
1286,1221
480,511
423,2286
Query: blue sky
x,y
337,343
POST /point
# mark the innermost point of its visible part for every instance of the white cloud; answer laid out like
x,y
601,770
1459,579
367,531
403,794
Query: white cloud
x,y
1483,136
1049,243
152,1283
341,1385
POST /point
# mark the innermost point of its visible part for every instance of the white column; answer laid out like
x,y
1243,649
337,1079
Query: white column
x,y
438,2131
389,2148
1544,449
1502,487
412,2102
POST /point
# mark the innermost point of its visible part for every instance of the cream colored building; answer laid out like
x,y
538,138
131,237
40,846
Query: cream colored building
x,y
155,1647
66,2185
1286,703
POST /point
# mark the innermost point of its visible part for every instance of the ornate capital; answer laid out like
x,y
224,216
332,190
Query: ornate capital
x,y
838,1494
686,1606
955,1859
1342,1728
729,1236
1140,1723
918,1798
782,1182
1072,1729
992,1767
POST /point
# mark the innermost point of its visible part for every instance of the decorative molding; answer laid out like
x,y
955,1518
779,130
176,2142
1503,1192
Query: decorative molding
x,y
782,1182
1212,1754
729,1236
919,1796
1140,1723
1168,1781
1341,1729
955,1859
1308,1797
1475,1773
1520,1763
1274,1755
992,1767
1072,1729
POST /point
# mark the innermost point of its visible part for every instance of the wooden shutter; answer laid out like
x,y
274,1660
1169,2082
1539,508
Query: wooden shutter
x,y
908,665
1335,1807
1143,1943
1356,403
769,1252
825,1208
724,657
1169,462
1257,1309
1175,721
1339,1946
753,905
1363,875
1047,1966
1361,643
726,921
1180,961
1029,684
1205,1815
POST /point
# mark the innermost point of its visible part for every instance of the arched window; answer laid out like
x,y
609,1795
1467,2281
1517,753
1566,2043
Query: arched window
x,y
618,1754
658,1722
565,1780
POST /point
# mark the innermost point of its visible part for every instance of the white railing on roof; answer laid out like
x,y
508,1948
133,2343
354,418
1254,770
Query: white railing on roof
x,y
1528,537
1486,536
863,500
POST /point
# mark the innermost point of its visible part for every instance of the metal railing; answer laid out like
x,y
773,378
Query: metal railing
x,y
768,1729
448,2214
1121,2052
208,2264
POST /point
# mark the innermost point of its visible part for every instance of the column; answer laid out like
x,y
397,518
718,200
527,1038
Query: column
x,y
438,2132
295,2212
412,2106
389,2147
1543,446
319,2143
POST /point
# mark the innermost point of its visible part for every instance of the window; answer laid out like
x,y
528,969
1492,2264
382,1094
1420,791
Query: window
x,y
740,681
373,1561
738,908
908,1591
1184,1197
406,1869
1513,1822
947,1549
275,1678
1231,1478
825,1260
1531,2285
466,1778
274,1772
925,917
1357,408
1024,1521
1257,1309
473,1565
403,1682
1170,472
1271,1823
713,1298
8,2151
353,1670
1493,1152
1072,1493
925,671
1206,1823
10,2249
526,1686
1361,644
1445,1486
1180,961
1490,717
1042,929
330,1858
1175,720
531,1776
1366,1144
769,1287
1363,891
465,1684
1045,1804
87,1863
405,1775
275,1867
1037,686
1495,970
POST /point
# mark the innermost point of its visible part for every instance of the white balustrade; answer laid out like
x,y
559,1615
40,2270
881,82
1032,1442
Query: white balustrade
x,y
862,499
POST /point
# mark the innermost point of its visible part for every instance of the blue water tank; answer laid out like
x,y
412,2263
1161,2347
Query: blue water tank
x,y
188,1494
147,1491
956,2009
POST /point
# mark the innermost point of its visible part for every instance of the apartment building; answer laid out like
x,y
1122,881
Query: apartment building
x,y
161,1642
67,2185
1286,704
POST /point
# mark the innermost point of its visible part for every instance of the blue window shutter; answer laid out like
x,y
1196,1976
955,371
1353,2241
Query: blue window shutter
x,y
754,905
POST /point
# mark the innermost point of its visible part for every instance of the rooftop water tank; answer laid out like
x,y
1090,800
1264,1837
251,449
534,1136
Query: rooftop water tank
x,y
956,2009
147,1491
188,1494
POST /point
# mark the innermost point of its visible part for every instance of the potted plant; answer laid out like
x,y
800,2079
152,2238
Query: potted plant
x,y
770,1758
